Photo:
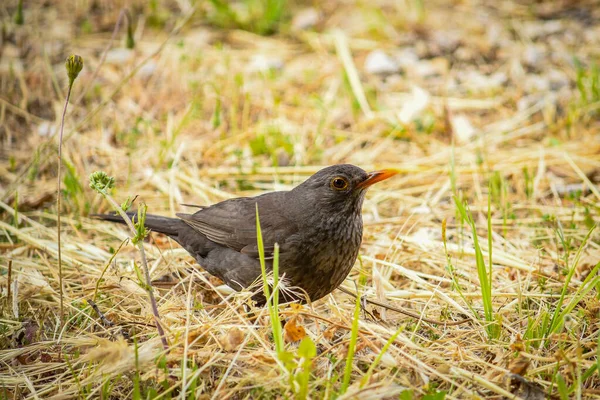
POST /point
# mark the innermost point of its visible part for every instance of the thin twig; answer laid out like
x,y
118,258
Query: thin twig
x,y
108,323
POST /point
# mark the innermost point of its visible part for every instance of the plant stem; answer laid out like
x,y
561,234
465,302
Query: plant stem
x,y
58,202
149,289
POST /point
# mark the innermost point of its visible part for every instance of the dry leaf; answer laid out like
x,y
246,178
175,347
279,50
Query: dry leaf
x,y
329,333
232,340
518,344
199,335
292,331
263,358
519,365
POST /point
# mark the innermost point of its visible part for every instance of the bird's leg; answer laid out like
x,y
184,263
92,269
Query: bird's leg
x,y
363,305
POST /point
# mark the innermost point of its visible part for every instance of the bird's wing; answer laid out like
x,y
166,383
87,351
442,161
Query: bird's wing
x,y
232,223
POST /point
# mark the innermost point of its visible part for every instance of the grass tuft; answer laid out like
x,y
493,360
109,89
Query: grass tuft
x,y
484,272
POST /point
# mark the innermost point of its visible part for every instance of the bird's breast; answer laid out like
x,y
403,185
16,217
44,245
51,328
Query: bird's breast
x,y
325,257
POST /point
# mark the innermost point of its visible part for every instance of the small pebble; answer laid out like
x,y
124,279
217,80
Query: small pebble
x,y
262,63
462,128
306,19
379,63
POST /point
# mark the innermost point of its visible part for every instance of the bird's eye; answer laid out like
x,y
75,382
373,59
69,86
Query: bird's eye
x,y
339,183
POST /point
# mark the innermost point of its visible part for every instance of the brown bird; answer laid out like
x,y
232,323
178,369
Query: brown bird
x,y
317,225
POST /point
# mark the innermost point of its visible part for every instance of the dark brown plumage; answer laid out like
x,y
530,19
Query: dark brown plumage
x,y
318,226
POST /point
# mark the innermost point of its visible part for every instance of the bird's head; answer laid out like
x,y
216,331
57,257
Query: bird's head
x,y
340,188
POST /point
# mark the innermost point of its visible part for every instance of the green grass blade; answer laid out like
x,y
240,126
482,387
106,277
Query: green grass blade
x,y
485,277
558,315
353,341
272,302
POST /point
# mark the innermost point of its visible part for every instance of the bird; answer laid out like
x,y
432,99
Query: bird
x,y
317,226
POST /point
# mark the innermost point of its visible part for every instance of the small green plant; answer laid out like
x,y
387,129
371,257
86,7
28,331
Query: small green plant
x,y
272,143
73,187
536,328
299,367
484,273
259,16
588,83
18,18
590,282
306,352
102,183
73,65
353,338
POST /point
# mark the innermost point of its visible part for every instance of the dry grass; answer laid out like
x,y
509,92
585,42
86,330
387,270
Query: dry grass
x,y
192,120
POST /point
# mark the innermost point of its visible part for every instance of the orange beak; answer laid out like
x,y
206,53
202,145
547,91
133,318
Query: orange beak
x,y
376,176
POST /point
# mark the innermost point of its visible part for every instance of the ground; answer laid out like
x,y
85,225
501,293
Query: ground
x,y
489,110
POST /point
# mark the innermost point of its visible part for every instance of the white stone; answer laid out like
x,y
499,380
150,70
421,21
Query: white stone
x,y
533,56
147,70
118,56
262,63
378,62
462,128
46,129
305,19
418,101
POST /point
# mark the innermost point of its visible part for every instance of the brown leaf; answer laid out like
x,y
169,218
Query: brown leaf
x,y
518,344
329,333
263,358
519,365
292,331
198,336
232,339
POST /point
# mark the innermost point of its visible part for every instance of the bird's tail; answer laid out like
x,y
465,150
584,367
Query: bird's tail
x,y
156,223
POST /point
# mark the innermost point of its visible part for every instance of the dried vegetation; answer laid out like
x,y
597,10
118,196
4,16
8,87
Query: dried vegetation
x,y
490,104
